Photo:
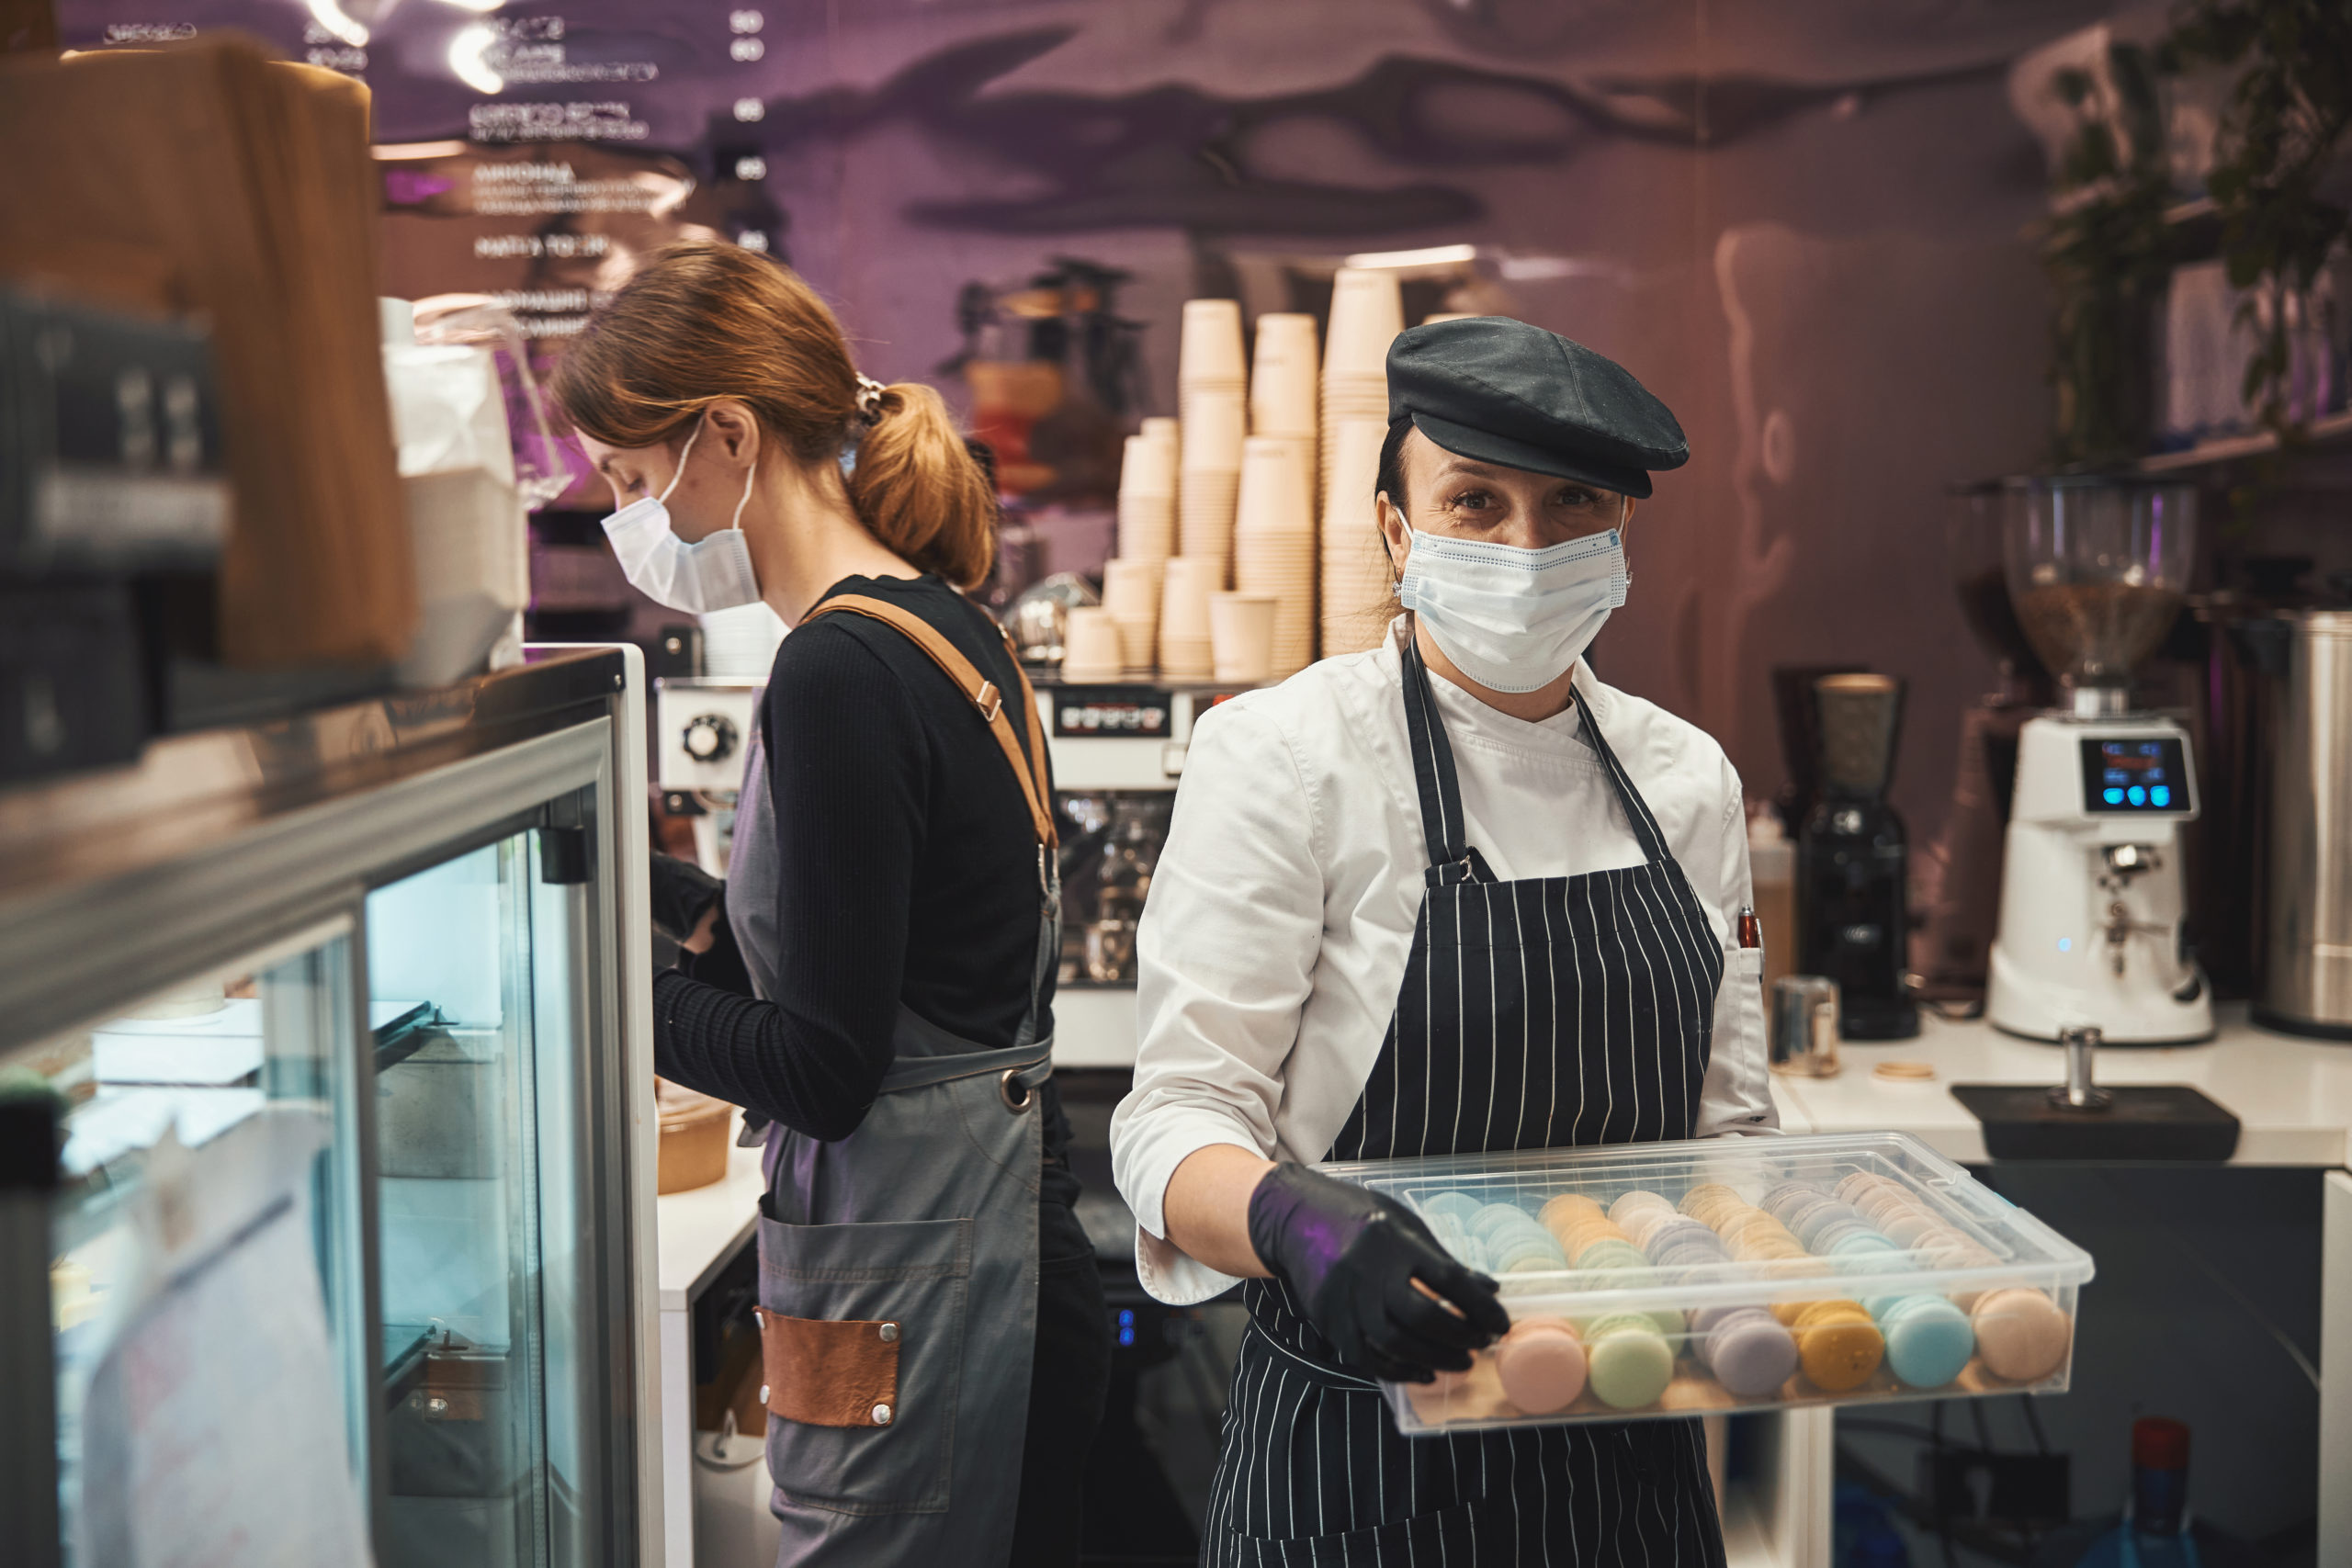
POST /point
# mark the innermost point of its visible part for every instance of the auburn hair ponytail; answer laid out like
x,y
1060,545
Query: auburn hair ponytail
x,y
701,320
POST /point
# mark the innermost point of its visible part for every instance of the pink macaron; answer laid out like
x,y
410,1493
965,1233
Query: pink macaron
x,y
1540,1366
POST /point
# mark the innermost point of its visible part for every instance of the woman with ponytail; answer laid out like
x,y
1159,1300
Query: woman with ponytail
x,y
935,1340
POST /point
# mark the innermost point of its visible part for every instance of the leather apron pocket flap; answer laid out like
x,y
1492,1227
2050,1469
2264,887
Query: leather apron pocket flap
x,y
830,1373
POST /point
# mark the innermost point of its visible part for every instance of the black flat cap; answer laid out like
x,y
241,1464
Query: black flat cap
x,y
1497,391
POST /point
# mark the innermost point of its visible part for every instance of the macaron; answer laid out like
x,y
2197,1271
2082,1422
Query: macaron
x,y
1518,1254
1569,1207
1750,1352
1628,1362
2021,1334
1837,1345
1638,1202
1907,1230
1460,1206
1541,1364
1494,1218
1929,1340
1612,1252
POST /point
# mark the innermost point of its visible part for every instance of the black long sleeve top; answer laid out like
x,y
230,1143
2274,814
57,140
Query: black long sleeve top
x,y
908,873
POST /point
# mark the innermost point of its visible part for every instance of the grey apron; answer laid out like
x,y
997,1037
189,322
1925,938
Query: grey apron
x,y
899,1265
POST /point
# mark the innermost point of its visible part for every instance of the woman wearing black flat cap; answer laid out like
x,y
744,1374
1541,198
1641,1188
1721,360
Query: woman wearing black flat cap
x,y
1450,895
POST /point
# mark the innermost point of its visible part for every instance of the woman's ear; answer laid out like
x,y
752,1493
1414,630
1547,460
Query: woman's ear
x,y
1396,534
735,429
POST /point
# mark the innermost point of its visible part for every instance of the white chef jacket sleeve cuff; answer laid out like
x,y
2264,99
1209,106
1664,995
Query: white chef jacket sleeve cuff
x,y
1149,1149
1172,1276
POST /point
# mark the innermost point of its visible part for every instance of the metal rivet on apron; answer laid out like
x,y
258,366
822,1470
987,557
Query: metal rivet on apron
x,y
881,1414
763,1393
889,1333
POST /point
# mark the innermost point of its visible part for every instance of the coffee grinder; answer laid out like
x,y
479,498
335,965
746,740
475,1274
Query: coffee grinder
x,y
2092,929
1852,894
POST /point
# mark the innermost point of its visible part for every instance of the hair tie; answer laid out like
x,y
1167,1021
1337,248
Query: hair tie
x,y
869,400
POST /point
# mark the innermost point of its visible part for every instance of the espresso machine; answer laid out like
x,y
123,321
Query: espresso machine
x,y
2092,928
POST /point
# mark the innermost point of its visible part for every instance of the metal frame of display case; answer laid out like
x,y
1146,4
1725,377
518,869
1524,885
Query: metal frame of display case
x,y
219,844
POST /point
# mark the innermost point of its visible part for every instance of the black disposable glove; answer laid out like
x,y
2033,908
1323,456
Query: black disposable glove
x,y
683,891
1351,1258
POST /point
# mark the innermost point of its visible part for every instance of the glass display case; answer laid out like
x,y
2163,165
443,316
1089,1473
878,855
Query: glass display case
x,y
347,1022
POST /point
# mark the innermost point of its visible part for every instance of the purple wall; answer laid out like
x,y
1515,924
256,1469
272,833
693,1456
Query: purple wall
x,y
1798,220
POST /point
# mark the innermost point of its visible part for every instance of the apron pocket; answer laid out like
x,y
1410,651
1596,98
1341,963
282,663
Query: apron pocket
x,y
862,1333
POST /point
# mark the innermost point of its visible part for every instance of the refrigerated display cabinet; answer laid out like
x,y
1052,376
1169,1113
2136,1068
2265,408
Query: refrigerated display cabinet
x,y
409,935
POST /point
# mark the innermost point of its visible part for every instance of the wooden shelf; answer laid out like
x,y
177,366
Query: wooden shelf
x,y
2334,428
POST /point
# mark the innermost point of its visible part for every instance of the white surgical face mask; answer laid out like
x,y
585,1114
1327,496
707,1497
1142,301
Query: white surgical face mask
x,y
1514,620
712,573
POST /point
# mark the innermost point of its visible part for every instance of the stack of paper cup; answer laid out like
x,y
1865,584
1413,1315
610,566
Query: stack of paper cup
x,y
1147,499
1367,313
1274,546
1212,389
1356,576
1283,378
1161,429
1242,625
1187,583
1131,593
1091,642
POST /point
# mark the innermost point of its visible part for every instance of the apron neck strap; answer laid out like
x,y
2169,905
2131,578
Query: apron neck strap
x,y
1443,829
1452,858
1646,832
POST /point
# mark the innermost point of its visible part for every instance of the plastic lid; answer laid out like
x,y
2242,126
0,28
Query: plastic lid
x,y
2159,1442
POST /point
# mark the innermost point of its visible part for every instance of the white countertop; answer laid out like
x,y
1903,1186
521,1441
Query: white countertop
x,y
698,1230
2292,1096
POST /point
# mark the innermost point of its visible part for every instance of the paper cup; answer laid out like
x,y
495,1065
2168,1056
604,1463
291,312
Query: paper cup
x,y
1273,492
1147,527
1367,313
1208,351
1146,467
1162,430
1347,506
1091,639
1131,588
1283,376
1216,422
1183,659
1204,511
1187,583
1241,635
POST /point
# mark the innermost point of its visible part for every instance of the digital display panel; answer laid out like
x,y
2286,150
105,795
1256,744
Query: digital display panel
x,y
2136,773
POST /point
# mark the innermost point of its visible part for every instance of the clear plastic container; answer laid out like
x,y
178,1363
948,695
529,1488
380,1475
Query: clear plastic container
x,y
1648,1280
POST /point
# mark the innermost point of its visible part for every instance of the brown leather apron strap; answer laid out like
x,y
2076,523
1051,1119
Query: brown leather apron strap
x,y
977,689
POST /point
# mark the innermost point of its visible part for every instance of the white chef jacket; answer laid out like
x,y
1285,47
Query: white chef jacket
x,y
1281,911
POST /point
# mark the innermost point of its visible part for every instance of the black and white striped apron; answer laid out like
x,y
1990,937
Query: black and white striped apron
x,y
1533,1014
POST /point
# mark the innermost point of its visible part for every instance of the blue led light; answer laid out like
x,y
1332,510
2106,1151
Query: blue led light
x,y
2161,795
2065,944
2114,796
1126,1318
2136,795
1127,1336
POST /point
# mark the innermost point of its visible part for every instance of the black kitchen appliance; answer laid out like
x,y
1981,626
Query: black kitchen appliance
x,y
1853,861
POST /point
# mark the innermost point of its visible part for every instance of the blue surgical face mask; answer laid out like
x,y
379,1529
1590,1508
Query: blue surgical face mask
x,y
1514,620
712,573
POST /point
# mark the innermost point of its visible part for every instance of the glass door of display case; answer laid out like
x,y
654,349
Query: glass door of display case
x,y
497,1419
212,1134
358,1177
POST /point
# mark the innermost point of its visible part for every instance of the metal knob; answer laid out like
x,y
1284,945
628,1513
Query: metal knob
x,y
2079,1092
709,737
